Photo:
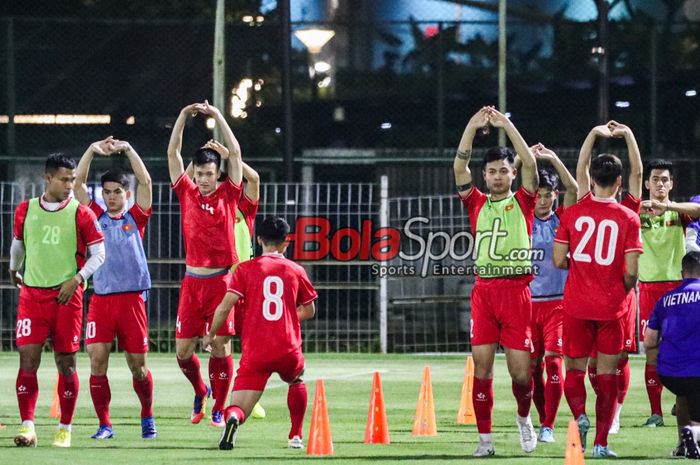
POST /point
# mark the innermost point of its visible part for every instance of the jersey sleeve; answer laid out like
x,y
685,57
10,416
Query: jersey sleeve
x,y
562,235
237,282
560,211
307,293
141,216
20,215
632,202
184,185
633,236
233,191
249,209
96,209
527,203
88,226
473,203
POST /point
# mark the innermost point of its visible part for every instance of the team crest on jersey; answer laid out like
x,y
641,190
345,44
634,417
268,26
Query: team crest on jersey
x,y
126,227
509,207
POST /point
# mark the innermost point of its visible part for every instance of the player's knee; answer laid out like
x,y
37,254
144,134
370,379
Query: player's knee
x,y
139,373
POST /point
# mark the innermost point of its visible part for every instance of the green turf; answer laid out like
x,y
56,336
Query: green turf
x,y
347,379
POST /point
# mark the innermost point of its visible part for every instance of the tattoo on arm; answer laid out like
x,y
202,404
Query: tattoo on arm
x,y
464,187
464,155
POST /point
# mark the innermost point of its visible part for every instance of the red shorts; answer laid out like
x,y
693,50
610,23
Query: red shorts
x,y
40,316
629,321
501,311
581,336
547,321
199,297
121,315
649,294
253,375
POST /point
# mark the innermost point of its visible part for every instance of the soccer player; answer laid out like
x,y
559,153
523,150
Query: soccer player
x,y
692,232
674,320
52,234
603,237
501,302
118,307
277,295
547,291
632,200
208,211
663,236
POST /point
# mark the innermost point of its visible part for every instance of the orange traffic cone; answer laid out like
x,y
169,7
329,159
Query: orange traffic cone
x,y
424,422
574,451
465,415
320,440
377,431
55,403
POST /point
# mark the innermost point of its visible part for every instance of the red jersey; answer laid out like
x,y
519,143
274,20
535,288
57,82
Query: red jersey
x,y
249,210
86,225
631,202
599,232
140,216
208,222
272,288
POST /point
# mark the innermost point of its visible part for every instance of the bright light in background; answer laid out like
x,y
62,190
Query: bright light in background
x,y
325,82
240,95
385,125
57,119
248,19
314,39
508,114
622,104
211,123
131,120
691,93
278,130
322,66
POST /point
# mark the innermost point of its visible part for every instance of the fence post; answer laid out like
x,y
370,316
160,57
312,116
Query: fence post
x,y
383,295
219,63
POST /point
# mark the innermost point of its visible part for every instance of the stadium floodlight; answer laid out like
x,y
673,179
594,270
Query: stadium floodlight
x,y
622,104
691,93
314,39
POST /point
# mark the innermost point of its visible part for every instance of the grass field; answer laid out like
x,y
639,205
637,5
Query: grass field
x,y
348,381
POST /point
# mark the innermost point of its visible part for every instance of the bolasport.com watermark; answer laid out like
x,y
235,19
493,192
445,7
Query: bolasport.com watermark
x,y
420,249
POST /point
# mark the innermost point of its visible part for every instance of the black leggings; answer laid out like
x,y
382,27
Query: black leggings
x,y
688,387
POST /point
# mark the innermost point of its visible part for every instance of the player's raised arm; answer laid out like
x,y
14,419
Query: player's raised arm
x,y
235,169
463,175
252,188
175,164
527,158
306,312
220,315
583,166
103,148
543,153
635,157
144,191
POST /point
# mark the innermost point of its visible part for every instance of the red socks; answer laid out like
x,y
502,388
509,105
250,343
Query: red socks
x,y
553,390
482,398
575,391
144,390
220,376
523,396
101,396
623,379
592,377
68,386
27,388
297,398
605,407
237,410
190,368
654,389
538,395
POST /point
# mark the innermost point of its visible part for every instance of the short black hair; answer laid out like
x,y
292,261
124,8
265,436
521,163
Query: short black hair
x,y
498,153
273,230
548,179
115,175
691,264
660,164
203,156
55,161
605,169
